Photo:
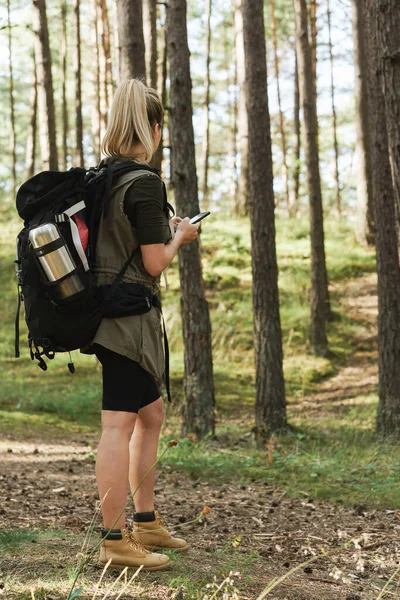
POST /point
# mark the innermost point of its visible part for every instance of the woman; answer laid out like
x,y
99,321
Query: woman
x,y
130,348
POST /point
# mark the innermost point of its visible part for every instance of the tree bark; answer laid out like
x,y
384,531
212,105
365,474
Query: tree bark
x,y
388,17
78,87
312,7
334,119
32,131
106,78
198,415
47,119
114,42
243,177
162,91
294,191
206,139
382,19
12,108
132,62
232,112
64,109
365,220
319,280
150,36
98,81
281,117
270,388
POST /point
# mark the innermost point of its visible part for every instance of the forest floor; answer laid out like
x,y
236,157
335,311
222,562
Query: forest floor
x,y
256,530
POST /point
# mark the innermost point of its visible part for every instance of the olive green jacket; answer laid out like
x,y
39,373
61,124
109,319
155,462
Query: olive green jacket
x,y
138,337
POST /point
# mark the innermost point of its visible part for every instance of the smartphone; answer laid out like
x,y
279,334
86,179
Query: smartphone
x,y
199,218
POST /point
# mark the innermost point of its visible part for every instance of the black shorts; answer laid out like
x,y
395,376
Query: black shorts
x,y
126,385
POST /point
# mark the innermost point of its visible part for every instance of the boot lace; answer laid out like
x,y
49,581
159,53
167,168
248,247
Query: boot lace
x,y
160,519
133,542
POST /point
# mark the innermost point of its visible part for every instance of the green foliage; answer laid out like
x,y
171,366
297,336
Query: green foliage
x,y
331,452
14,539
227,273
323,458
224,93
75,594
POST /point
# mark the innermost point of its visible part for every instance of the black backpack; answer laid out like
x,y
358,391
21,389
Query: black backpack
x,y
75,200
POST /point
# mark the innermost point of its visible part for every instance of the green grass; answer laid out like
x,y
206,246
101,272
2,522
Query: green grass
x,y
343,464
11,540
227,272
331,452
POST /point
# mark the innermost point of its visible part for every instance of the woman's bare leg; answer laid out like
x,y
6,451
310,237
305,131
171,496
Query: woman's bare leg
x,y
112,465
143,449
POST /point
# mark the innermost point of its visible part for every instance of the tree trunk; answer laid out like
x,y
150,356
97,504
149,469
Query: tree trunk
x,y
32,131
388,17
206,139
232,111
150,36
47,119
114,41
319,281
270,387
162,91
132,62
334,119
106,78
312,8
98,89
78,87
12,111
64,109
198,380
243,178
382,20
281,117
294,191
365,221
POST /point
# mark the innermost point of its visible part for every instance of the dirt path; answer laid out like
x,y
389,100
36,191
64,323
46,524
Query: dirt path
x,y
51,486
360,375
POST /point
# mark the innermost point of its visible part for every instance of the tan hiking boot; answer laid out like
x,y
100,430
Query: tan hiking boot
x,y
126,551
154,535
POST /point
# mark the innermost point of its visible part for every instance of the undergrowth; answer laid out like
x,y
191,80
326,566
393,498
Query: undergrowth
x,y
330,452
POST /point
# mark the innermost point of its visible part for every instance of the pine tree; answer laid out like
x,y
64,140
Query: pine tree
x,y
47,120
132,62
270,389
12,109
78,87
365,222
295,186
242,199
206,138
32,131
198,415
334,117
150,36
64,107
280,111
383,94
319,298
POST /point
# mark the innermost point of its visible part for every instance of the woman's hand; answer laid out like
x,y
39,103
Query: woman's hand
x,y
175,222
156,257
186,232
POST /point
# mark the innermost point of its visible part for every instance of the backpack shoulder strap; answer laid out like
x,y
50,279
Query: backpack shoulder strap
x,y
132,176
114,172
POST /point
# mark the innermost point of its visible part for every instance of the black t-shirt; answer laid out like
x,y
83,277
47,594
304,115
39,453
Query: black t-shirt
x,y
146,208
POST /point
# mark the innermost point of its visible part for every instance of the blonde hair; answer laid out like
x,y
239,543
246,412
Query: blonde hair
x,y
135,110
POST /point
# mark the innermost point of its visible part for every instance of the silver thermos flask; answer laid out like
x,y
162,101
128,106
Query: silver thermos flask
x,y
56,263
